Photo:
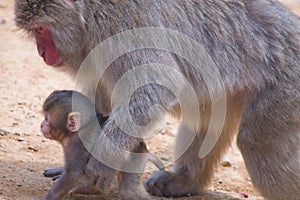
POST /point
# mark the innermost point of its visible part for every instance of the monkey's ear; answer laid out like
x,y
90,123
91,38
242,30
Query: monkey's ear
x,y
73,122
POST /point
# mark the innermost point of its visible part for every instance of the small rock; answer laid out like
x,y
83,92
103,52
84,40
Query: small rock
x,y
3,132
234,166
33,149
31,170
2,21
244,195
226,163
21,140
220,181
164,158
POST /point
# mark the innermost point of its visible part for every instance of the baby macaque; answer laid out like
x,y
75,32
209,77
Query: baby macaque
x,y
62,123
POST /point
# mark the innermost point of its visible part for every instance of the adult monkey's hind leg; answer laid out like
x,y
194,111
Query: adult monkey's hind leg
x,y
192,174
269,139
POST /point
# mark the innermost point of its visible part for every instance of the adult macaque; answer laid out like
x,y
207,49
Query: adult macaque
x,y
62,123
250,50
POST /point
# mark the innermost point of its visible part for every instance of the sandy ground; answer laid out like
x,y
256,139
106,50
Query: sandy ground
x,y
25,81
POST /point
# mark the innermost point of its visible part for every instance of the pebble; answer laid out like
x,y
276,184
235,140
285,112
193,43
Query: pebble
x,y
234,166
220,181
33,149
2,21
21,140
15,124
164,158
3,132
244,195
17,134
226,164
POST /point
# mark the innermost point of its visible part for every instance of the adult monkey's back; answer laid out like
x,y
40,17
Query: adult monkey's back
x,y
255,45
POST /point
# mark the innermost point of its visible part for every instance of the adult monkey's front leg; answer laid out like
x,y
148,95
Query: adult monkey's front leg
x,y
192,173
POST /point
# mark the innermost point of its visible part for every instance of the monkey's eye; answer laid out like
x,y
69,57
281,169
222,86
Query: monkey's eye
x,y
46,118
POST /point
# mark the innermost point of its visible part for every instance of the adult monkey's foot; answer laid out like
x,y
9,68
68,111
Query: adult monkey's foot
x,y
170,184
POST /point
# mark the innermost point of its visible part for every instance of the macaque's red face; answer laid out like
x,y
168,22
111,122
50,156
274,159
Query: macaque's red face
x,y
58,28
45,45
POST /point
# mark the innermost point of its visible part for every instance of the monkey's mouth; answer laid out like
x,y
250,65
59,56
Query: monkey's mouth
x,y
50,55
48,136
45,45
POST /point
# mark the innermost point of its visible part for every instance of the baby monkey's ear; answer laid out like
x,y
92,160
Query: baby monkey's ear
x,y
73,122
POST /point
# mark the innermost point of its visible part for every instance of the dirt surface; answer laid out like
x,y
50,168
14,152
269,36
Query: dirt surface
x,y
25,81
